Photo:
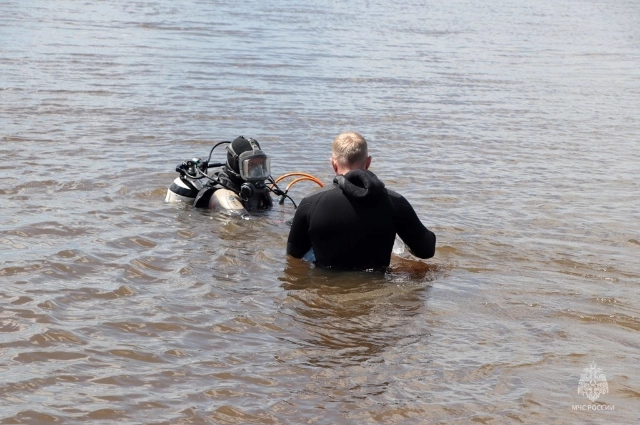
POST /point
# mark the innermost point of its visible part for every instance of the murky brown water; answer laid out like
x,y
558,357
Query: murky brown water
x,y
511,126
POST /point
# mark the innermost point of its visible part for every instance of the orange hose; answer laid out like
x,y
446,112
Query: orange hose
x,y
304,176
299,179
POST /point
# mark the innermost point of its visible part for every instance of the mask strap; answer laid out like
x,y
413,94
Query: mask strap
x,y
253,143
233,153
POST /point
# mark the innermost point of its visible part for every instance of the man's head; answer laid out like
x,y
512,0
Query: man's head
x,y
349,152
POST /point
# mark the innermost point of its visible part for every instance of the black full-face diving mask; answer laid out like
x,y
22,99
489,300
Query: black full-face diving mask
x,y
247,161
249,166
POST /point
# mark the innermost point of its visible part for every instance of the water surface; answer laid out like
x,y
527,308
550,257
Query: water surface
x,y
511,127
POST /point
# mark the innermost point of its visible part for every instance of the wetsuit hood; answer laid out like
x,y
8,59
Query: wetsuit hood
x,y
360,184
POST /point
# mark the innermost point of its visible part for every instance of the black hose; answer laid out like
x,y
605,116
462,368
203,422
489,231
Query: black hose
x,y
215,146
279,192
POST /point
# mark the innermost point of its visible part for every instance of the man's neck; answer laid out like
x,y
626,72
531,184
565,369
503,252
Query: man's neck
x,y
345,170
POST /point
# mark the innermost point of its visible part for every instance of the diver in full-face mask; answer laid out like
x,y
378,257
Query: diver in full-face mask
x,y
244,174
240,185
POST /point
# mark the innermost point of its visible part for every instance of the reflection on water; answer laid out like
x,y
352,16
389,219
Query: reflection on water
x,y
350,318
353,331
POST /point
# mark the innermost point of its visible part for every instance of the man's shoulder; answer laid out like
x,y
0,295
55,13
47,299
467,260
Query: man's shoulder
x,y
397,200
394,196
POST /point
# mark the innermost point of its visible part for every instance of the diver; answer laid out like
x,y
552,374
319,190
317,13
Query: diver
x,y
237,186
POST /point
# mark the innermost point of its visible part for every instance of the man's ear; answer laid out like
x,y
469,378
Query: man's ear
x,y
367,163
334,164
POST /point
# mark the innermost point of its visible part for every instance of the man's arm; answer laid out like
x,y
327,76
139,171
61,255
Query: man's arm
x,y
420,240
299,242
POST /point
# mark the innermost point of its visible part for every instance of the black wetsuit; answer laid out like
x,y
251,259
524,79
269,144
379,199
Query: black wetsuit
x,y
353,224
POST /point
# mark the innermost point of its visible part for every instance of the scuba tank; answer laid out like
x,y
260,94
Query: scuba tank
x,y
186,187
228,201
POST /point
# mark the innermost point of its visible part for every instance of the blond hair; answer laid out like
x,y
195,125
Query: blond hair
x,y
349,148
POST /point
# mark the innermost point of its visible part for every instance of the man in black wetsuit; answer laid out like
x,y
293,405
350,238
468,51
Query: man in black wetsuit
x,y
353,223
